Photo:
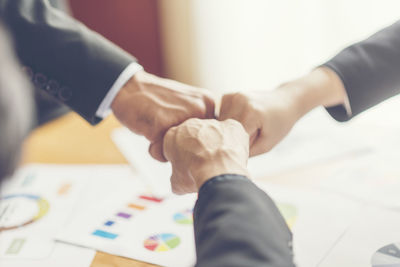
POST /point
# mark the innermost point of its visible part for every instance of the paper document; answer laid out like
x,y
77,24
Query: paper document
x,y
123,219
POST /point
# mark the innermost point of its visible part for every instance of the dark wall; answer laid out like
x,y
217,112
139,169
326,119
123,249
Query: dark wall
x,y
132,24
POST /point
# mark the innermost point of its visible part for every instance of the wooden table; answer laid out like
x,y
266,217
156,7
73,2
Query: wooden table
x,y
71,140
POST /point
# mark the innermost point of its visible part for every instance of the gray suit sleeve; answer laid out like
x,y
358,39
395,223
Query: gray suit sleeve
x,y
63,57
237,224
370,71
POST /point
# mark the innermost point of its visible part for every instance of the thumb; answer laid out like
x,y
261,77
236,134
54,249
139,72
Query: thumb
x,y
156,150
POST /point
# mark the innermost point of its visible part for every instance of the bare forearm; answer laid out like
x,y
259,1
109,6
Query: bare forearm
x,y
321,87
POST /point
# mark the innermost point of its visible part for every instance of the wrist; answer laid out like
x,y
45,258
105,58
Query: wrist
x,y
204,171
321,87
135,84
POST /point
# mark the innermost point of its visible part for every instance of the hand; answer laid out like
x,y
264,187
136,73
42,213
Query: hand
x,y
201,149
149,106
268,116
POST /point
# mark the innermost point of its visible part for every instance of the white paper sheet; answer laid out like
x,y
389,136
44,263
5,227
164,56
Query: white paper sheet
x,y
54,190
372,178
117,216
374,228
156,175
62,255
34,205
318,219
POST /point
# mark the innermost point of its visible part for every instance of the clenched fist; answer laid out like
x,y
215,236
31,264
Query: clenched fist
x,y
268,116
201,149
149,105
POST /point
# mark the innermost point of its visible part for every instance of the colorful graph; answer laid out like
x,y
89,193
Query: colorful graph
x,y
185,217
289,213
162,242
387,256
19,210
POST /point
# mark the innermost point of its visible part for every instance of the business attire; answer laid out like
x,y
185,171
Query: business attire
x,y
65,59
370,71
48,108
237,224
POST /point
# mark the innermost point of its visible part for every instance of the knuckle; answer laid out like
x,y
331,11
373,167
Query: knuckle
x,y
240,97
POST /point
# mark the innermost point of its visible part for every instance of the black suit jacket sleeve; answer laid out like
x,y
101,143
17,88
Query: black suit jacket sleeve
x,y
69,61
237,224
370,71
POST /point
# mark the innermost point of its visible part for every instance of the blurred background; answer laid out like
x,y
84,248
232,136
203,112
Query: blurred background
x,y
234,44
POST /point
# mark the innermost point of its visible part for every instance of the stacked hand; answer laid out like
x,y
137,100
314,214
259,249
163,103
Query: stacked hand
x,y
149,106
266,116
201,149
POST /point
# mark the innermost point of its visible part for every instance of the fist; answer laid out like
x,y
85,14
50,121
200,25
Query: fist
x,y
266,116
201,149
149,105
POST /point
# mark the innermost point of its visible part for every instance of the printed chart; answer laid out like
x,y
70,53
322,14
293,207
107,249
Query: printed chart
x,y
388,256
133,223
134,207
19,210
162,242
184,217
34,205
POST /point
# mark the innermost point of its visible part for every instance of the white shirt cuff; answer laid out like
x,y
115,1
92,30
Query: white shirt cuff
x,y
105,106
347,106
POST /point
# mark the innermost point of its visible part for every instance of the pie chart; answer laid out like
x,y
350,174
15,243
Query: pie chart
x,y
388,256
19,210
162,242
185,217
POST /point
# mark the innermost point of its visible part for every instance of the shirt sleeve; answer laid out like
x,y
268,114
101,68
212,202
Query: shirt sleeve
x,y
105,106
369,71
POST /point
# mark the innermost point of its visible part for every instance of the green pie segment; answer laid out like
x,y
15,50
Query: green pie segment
x,y
185,217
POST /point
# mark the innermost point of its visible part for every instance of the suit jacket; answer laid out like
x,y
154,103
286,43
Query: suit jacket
x,y
63,57
237,224
370,71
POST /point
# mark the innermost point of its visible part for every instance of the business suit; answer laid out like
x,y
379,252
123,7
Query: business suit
x,y
62,57
47,107
237,224
370,71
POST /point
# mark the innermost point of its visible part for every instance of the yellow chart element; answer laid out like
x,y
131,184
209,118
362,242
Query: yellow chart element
x,y
43,208
289,213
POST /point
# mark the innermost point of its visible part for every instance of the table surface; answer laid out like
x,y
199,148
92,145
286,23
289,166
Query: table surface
x,y
71,140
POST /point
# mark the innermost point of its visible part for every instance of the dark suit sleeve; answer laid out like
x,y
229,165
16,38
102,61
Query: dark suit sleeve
x,y
74,64
370,71
237,224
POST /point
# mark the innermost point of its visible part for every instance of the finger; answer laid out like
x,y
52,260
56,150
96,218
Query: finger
x,y
259,146
210,101
169,143
254,137
156,150
175,185
226,108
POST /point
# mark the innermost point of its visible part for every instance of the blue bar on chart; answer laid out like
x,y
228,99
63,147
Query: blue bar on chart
x,y
109,223
104,234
